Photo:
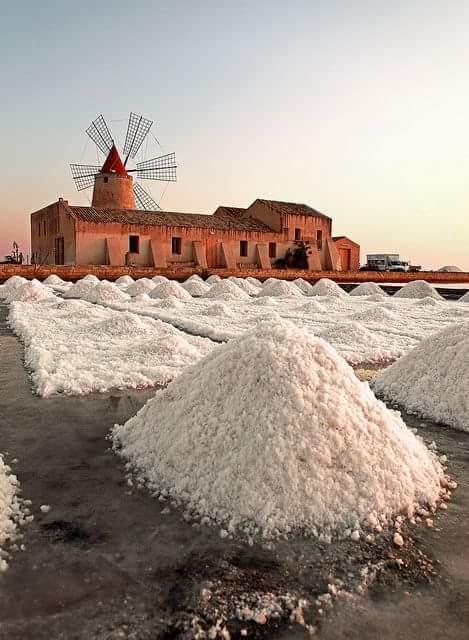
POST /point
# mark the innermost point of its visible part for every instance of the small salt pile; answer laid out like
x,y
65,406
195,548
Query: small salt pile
x,y
213,279
326,287
170,288
272,433
142,298
171,302
432,380
367,289
159,279
245,286
376,314
30,291
125,281
464,298
418,289
53,279
12,283
218,309
142,285
106,293
80,289
280,288
226,290
254,281
90,277
304,286
312,306
196,288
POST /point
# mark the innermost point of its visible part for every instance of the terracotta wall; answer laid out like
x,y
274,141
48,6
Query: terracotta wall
x,y
348,246
48,224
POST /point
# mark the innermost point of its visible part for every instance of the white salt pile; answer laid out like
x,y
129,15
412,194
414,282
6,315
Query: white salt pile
x,y
159,279
30,291
90,277
142,298
10,513
357,344
269,281
125,281
433,379
279,288
53,279
196,288
326,287
312,306
367,289
272,433
304,286
245,286
196,277
428,302
12,283
142,285
254,281
464,298
376,314
226,290
218,309
212,279
267,301
418,289
106,293
170,288
80,289
378,297
171,302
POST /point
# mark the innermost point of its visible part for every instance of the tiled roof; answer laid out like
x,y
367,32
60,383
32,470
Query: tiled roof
x,y
344,238
222,221
291,208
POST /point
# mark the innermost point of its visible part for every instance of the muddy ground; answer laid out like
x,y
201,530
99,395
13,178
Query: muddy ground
x,y
104,562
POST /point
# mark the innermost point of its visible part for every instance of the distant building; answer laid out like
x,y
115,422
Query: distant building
x,y
114,232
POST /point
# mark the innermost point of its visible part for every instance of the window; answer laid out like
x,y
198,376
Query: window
x,y
272,249
59,250
319,239
297,234
106,178
134,244
176,246
44,227
243,248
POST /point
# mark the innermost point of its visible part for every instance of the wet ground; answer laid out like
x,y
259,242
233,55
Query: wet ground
x,y
104,562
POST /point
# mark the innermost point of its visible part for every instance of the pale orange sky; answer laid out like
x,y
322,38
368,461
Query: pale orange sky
x,y
359,109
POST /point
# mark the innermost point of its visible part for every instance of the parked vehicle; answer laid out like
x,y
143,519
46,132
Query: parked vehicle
x,y
385,262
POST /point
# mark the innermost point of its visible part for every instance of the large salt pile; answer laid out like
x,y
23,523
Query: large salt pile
x,y
53,279
245,285
143,285
279,288
9,509
90,277
213,278
226,290
106,293
125,281
433,379
326,287
464,298
273,433
418,289
254,281
80,289
12,283
303,285
195,287
30,291
170,288
367,289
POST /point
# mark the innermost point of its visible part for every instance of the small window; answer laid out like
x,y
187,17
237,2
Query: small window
x,y
106,178
319,238
297,234
272,249
243,248
134,244
176,246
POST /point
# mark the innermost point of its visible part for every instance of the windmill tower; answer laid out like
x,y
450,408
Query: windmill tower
x,y
113,186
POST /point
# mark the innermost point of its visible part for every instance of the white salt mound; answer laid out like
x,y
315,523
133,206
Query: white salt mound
x,y
326,287
367,289
170,288
106,293
428,302
12,283
272,432
218,309
195,277
125,281
142,298
450,269
212,279
245,286
53,279
464,298
226,290
9,509
142,285
418,289
376,314
280,288
254,281
304,286
195,287
159,279
171,302
269,281
312,306
30,291
79,289
433,379
377,297
90,277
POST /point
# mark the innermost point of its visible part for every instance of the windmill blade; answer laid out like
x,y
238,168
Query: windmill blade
x,y
161,168
84,175
144,199
98,131
137,131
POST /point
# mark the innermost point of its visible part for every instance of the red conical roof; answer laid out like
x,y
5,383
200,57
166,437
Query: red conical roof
x,y
113,162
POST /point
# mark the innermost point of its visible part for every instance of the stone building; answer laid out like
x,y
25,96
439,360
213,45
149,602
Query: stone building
x,y
114,232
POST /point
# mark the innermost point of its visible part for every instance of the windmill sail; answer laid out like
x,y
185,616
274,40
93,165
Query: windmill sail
x,y
161,168
144,199
84,175
137,131
98,131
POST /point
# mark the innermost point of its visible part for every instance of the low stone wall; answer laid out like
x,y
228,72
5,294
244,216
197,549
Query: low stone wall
x,y
112,273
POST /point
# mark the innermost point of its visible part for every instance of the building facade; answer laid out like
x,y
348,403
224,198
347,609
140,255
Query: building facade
x,y
230,238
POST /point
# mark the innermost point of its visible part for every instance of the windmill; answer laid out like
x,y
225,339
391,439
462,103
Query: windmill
x,y
113,186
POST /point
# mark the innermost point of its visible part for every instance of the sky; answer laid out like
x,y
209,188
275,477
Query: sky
x,y
358,108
